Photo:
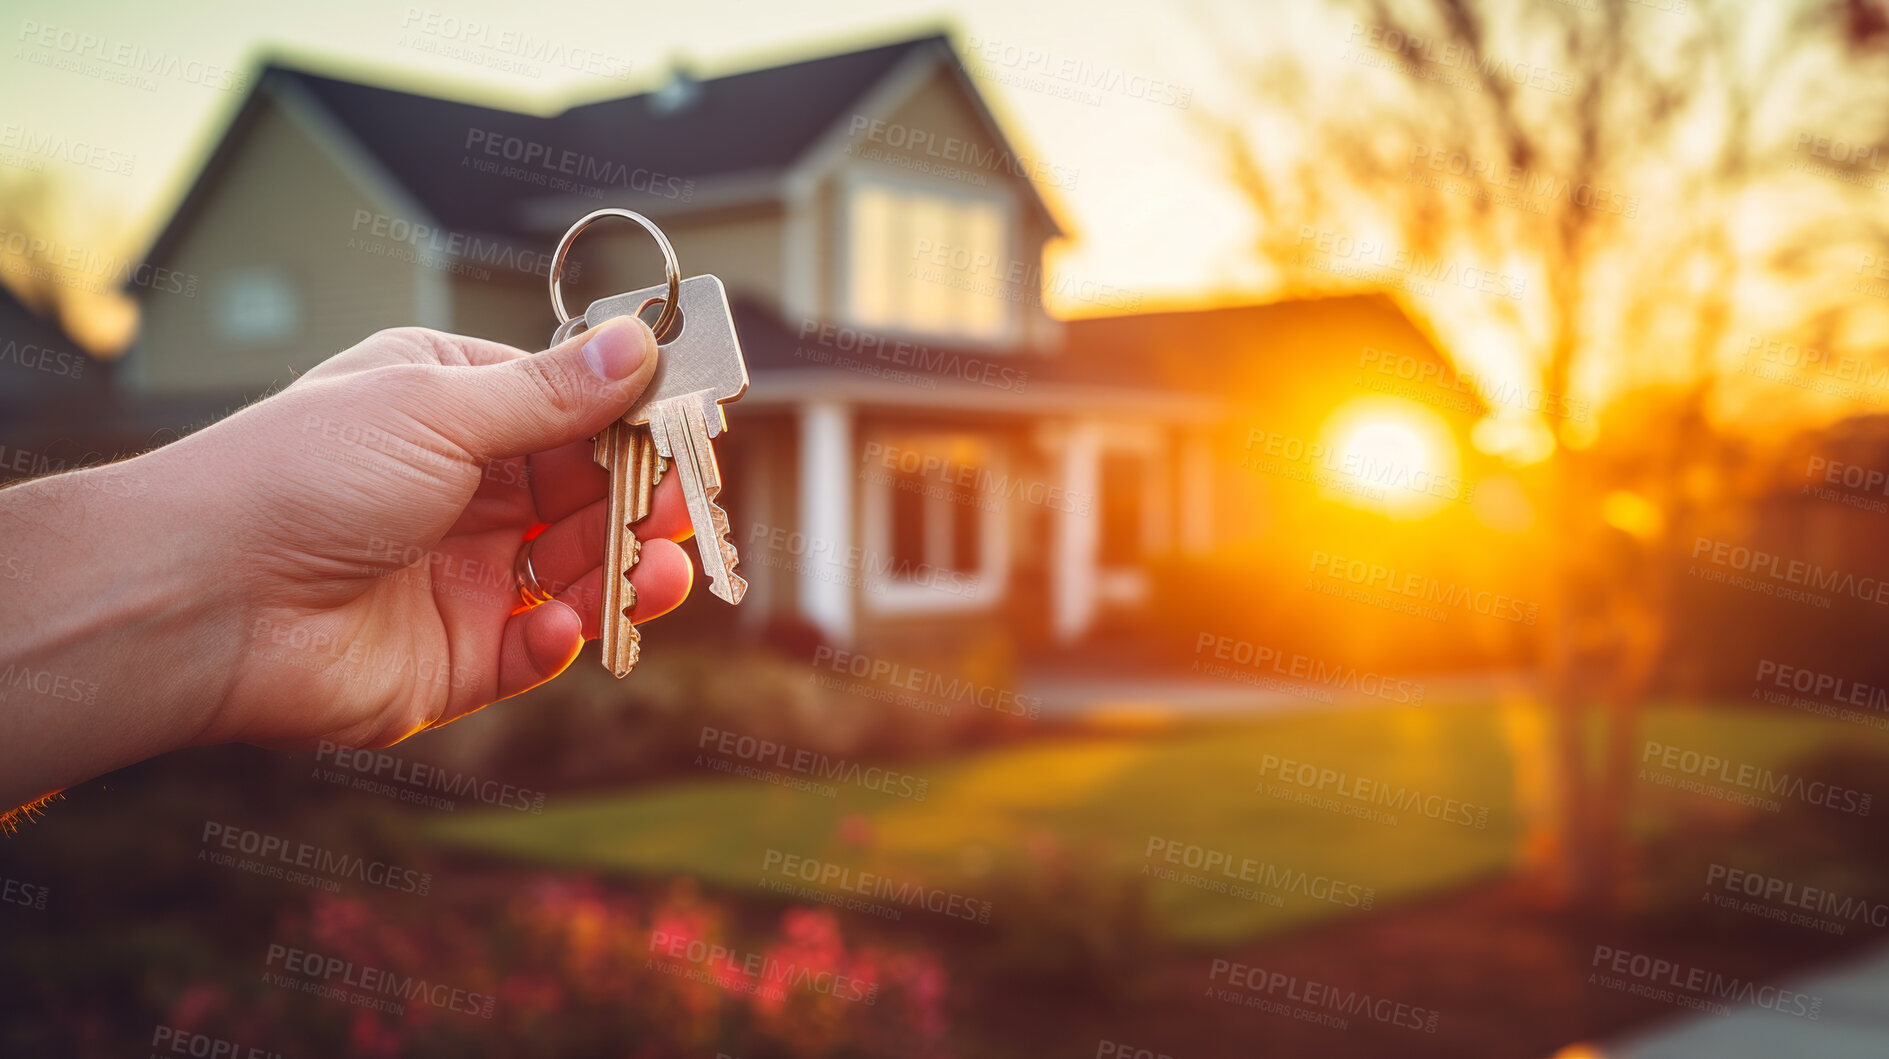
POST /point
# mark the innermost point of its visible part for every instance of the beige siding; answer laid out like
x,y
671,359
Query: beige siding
x,y
503,305
282,204
742,247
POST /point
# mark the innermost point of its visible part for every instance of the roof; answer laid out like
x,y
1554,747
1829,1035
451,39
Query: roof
x,y
753,123
1278,348
37,357
831,363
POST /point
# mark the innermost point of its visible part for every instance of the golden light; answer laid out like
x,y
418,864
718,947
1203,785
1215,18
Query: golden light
x,y
1391,456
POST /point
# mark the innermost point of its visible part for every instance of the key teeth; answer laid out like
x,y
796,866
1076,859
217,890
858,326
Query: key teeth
x,y
736,588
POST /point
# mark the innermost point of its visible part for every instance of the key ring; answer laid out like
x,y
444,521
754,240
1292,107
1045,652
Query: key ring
x,y
672,269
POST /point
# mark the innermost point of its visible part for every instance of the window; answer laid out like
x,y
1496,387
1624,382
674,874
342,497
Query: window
x,y
928,262
1124,474
254,306
935,533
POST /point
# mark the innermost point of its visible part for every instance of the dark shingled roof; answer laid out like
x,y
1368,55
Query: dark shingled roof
x,y
760,120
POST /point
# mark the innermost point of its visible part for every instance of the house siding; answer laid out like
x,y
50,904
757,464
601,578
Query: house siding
x,y
742,247
283,204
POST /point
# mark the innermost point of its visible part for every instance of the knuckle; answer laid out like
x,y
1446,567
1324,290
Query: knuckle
x,y
556,382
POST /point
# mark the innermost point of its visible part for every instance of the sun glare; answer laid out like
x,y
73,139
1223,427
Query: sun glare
x,y
1391,456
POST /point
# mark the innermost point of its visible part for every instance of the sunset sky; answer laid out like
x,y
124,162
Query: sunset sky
x,y
1150,207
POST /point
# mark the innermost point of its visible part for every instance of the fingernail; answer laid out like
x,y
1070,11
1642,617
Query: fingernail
x,y
616,349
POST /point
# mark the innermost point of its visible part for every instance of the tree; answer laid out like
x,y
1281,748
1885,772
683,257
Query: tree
x,y
1653,185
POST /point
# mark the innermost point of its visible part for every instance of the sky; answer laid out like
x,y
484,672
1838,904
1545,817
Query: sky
x,y
1150,210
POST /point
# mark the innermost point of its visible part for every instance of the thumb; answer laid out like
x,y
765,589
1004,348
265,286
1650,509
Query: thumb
x,y
543,400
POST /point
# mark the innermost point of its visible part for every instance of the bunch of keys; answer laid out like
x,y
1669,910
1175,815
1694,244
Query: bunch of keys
x,y
670,428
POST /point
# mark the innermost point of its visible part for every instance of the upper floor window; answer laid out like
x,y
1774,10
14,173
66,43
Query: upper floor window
x,y
255,305
929,262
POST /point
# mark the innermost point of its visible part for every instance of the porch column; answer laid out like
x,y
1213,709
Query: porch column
x,y
827,470
1073,573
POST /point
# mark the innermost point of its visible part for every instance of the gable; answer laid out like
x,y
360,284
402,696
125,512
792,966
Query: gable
x,y
284,204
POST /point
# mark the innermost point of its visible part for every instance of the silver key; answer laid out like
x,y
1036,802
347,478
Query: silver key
x,y
700,368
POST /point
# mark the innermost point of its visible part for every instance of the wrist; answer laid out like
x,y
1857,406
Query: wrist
x,y
120,651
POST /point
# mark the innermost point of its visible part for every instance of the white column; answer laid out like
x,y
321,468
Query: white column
x,y
1073,572
827,469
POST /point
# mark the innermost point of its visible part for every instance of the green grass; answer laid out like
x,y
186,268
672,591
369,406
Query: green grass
x,y
994,818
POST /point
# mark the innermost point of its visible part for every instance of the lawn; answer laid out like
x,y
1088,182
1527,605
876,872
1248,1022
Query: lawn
x,y
992,821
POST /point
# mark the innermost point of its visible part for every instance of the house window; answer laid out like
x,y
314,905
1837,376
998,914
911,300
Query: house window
x,y
254,306
1123,475
935,534
897,238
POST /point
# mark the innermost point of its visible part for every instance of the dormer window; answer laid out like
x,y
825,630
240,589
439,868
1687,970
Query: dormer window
x,y
930,262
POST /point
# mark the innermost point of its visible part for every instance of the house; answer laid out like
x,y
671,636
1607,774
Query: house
x,y
923,447
48,380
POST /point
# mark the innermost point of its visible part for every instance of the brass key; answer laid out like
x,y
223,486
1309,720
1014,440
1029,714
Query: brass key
x,y
698,368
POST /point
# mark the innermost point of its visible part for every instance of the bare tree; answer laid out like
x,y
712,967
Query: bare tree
x,y
1651,168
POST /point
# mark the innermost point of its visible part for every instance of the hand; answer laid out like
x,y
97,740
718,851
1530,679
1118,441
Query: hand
x,y
335,562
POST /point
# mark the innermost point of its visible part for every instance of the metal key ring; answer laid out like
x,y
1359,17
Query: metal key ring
x,y
672,269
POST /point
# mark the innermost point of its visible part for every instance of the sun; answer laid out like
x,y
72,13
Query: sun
x,y
1392,456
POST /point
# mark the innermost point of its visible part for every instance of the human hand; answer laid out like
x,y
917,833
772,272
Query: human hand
x,y
386,494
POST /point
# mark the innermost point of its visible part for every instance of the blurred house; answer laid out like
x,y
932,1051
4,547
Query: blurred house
x,y
48,381
924,449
